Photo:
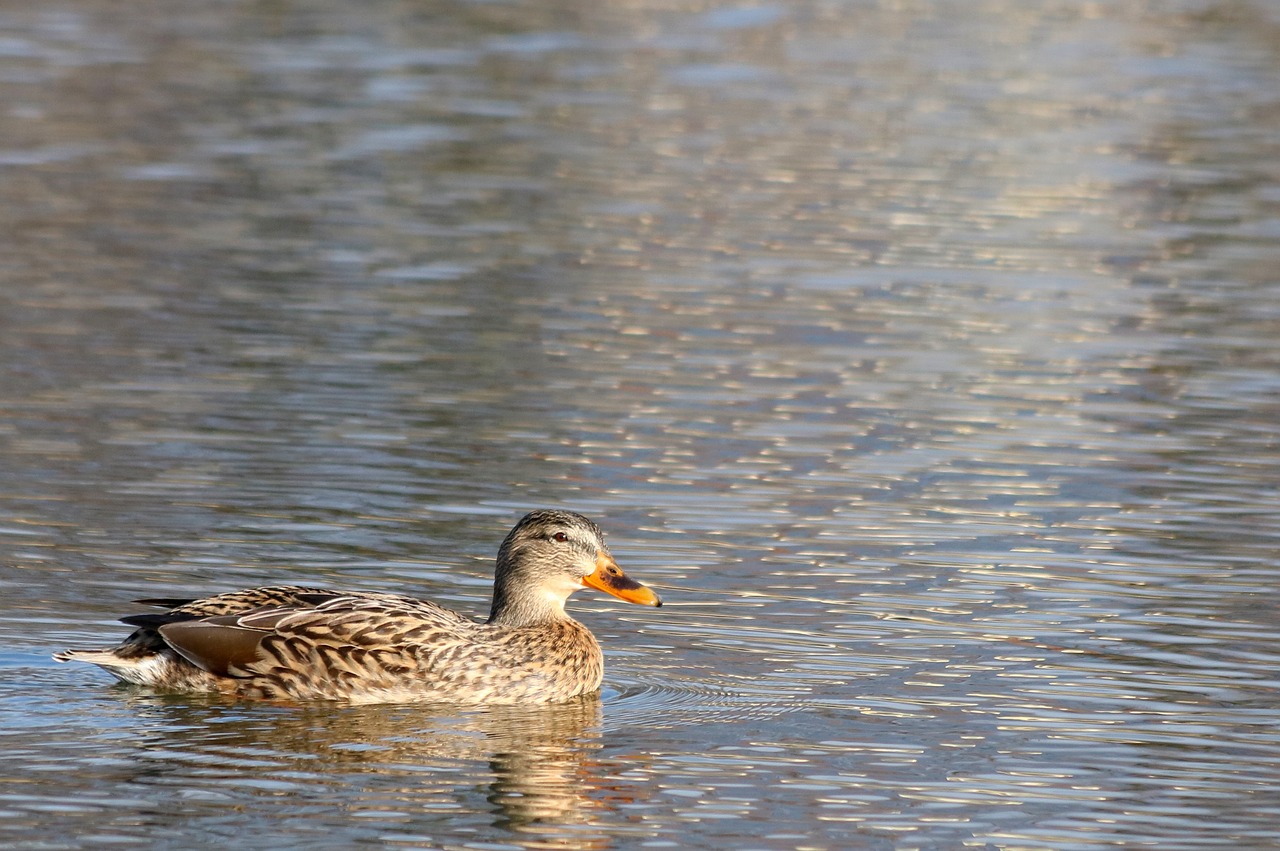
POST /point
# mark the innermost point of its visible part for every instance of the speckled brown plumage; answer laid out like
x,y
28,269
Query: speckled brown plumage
x,y
291,642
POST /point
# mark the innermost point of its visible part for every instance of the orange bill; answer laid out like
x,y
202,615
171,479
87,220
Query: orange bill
x,y
609,578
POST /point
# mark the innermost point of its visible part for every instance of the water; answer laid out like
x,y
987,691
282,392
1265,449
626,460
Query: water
x,y
922,354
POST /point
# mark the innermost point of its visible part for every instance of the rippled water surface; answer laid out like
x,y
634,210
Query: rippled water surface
x,y
925,355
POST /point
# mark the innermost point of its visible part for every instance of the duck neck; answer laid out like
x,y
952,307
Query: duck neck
x,y
525,609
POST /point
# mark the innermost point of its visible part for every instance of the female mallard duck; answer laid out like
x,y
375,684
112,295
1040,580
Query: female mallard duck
x,y
288,642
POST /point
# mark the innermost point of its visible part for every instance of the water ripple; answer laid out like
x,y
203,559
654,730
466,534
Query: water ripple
x,y
926,361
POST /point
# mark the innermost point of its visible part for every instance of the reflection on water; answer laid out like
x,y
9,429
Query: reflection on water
x,y
923,354
398,772
538,760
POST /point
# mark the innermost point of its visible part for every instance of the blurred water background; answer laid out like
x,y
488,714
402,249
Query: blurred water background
x,y
924,353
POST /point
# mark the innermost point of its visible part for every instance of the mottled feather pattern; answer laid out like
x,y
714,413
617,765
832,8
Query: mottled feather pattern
x,y
252,599
381,647
302,643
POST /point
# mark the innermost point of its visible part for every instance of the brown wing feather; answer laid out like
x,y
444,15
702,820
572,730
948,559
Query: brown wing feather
x,y
146,640
359,643
365,638
216,645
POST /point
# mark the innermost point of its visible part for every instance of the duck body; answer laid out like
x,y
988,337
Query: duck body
x,y
296,643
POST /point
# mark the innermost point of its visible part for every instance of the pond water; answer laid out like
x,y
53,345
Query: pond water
x,y
925,355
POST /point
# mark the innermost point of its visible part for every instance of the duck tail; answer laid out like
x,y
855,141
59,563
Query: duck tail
x,y
144,670
97,657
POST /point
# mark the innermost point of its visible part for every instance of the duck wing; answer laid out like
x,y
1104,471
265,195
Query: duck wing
x,y
218,645
342,643
146,639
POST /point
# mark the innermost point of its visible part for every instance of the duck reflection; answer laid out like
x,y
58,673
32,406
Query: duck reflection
x,y
535,769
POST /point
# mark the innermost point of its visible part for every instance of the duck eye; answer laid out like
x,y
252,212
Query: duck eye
x,y
560,537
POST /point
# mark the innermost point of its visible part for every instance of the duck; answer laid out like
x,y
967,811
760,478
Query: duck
x,y
296,643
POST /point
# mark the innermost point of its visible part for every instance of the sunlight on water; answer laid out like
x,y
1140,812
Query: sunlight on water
x,y
921,355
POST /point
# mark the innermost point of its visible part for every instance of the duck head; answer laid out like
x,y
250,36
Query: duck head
x,y
548,556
